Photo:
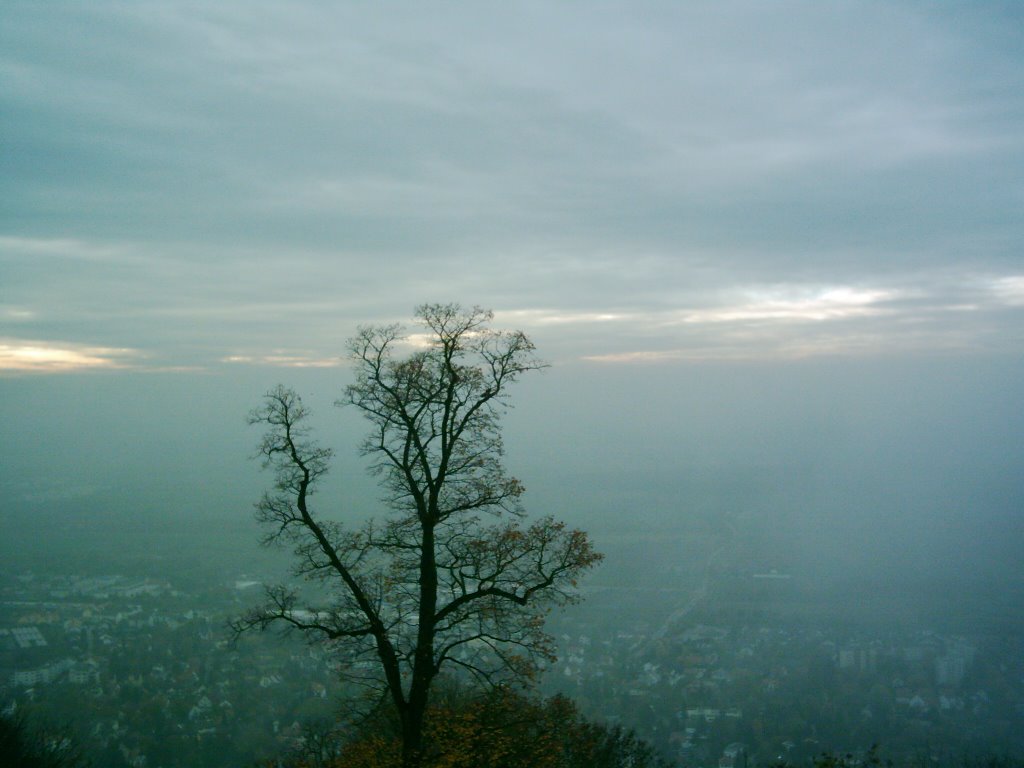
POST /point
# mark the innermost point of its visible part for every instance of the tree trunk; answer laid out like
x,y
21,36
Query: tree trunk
x,y
423,665
412,738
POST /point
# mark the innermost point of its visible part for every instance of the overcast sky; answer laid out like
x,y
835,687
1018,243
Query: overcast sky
x,y
197,185
747,234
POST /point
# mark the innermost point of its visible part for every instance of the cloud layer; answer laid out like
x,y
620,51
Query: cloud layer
x,y
212,185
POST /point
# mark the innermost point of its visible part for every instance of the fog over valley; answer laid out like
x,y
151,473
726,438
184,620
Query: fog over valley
x,y
857,469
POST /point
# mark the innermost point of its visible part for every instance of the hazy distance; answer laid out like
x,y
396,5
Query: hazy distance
x,y
892,472
772,251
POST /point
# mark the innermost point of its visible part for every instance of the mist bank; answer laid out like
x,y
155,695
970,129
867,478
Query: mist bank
x,y
841,468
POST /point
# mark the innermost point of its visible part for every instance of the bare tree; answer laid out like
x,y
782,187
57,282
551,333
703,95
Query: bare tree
x,y
452,576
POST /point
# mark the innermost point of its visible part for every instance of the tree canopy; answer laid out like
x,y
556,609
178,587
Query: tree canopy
x,y
499,728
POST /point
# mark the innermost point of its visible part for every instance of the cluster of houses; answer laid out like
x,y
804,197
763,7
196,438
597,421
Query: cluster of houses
x,y
705,692
152,668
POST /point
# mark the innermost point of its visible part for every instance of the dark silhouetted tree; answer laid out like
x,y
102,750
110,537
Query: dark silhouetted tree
x,y
453,575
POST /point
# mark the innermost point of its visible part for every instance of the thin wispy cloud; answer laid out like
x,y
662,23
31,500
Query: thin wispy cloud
x,y
283,360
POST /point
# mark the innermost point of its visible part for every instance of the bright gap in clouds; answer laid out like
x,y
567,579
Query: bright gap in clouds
x,y
1010,289
788,303
18,356
769,303
798,321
